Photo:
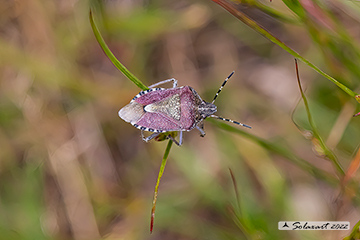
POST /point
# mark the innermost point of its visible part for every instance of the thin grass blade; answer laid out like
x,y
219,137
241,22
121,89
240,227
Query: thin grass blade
x,y
235,188
231,8
161,171
236,215
281,151
320,142
111,56
355,233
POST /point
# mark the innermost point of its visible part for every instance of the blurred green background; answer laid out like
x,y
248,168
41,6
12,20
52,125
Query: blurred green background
x,y
70,168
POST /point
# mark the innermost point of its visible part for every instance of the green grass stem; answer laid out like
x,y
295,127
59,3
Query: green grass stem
x,y
258,28
161,171
280,150
328,153
111,56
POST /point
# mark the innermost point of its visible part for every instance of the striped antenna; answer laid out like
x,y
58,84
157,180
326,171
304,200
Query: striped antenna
x,y
229,120
222,85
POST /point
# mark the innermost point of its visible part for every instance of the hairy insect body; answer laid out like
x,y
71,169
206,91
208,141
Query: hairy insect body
x,y
206,109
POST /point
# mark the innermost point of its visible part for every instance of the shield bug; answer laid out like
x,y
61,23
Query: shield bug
x,y
176,109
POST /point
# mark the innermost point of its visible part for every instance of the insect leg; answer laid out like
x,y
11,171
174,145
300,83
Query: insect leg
x,y
165,81
173,139
147,139
181,137
200,127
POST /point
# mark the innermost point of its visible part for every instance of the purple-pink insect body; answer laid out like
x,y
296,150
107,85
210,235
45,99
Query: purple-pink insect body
x,y
160,110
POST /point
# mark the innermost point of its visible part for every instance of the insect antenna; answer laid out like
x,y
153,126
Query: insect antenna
x,y
222,85
229,120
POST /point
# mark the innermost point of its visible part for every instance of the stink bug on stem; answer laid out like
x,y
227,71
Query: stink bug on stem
x,y
175,109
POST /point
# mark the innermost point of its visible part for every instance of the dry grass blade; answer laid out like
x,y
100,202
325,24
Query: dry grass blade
x,y
354,166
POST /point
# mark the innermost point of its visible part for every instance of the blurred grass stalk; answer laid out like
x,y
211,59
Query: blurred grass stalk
x,y
111,56
280,150
326,151
231,8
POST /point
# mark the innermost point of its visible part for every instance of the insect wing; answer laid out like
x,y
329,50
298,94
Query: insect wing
x,y
154,95
162,110
156,122
175,110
